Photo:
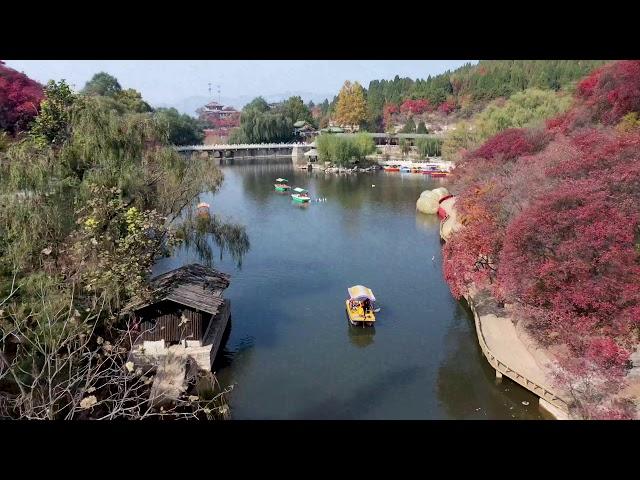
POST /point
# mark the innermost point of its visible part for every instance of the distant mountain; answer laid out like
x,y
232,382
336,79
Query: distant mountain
x,y
191,104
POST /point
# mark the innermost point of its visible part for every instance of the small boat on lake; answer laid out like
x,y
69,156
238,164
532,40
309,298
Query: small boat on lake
x,y
301,195
360,306
405,169
439,173
281,185
391,168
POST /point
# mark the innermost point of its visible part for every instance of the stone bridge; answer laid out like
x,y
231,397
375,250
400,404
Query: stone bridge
x,y
249,150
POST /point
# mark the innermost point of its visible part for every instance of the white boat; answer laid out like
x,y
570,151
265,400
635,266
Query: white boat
x,y
301,195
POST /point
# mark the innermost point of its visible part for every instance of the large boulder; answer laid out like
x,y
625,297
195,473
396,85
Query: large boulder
x,y
428,201
451,224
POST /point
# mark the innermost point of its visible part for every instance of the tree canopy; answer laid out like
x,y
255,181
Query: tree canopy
x,y
20,99
102,84
351,107
92,197
344,150
261,124
409,126
182,129
295,109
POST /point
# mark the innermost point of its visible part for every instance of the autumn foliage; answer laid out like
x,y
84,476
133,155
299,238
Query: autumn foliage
x,y
448,106
552,225
605,97
19,99
416,106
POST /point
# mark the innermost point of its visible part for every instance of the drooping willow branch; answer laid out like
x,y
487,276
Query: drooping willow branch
x,y
197,231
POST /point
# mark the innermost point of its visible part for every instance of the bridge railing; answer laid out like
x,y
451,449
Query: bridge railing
x,y
238,146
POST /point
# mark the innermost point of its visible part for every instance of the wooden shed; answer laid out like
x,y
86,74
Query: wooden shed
x,y
185,306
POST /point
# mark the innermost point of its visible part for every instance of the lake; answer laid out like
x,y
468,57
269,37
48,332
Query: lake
x,y
291,353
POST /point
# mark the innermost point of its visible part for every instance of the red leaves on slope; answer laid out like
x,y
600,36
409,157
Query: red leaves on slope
x,y
558,214
416,106
390,108
572,254
607,354
448,106
605,96
510,144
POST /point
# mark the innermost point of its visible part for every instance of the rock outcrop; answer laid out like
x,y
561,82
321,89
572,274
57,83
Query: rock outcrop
x,y
451,224
428,201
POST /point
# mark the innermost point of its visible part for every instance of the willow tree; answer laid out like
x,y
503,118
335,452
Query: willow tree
x,y
261,124
351,108
89,204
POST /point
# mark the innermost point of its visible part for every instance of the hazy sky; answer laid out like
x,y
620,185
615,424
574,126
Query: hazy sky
x,y
166,82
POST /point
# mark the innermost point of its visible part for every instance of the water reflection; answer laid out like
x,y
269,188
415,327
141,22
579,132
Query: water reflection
x,y
233,355
459,389
254,172
225,355
360,401
427,222
351,191
361,336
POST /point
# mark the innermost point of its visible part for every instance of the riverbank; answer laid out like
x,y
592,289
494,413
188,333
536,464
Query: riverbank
x,y
505,343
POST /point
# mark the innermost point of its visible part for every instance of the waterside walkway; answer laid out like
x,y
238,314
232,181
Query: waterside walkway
x,y
503,348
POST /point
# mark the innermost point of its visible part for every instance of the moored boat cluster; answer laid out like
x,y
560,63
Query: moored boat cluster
x,y
433,170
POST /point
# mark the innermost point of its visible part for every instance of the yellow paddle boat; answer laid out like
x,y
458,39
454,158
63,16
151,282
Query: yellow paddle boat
x,y
360,306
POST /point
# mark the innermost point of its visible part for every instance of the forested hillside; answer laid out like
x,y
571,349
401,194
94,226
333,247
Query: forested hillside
x,y
465,90
552,227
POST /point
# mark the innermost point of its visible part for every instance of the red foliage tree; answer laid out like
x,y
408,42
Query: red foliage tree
x,y
415,106
607,354
470,256
507,145
390,108
605,96
448,106
554,216
20,99
388,111
571,256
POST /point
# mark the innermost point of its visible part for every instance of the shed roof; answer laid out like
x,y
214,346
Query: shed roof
x,y
193,285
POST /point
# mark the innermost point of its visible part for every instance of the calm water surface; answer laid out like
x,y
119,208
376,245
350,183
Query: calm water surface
x,y
291,353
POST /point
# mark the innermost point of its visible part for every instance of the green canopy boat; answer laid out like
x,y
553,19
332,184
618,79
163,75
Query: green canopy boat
x,y
301,195
281,185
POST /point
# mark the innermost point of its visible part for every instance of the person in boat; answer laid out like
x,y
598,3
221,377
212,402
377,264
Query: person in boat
x,y
366,306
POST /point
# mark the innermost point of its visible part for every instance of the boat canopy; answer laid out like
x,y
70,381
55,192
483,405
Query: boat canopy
x,y
299,190
281,180
360,292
